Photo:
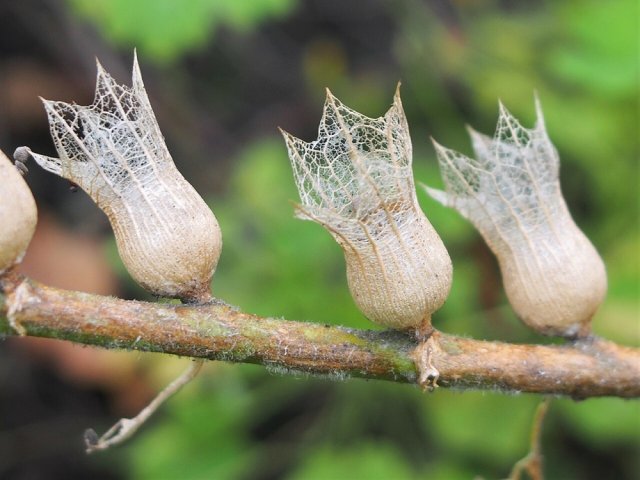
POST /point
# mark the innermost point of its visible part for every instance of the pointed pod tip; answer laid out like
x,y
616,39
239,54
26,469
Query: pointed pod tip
x,y
504,112
442,152
435,143
396,96
291,141
136,75
48,104
331,103
538,107
473,133
397,92
99,66
536,96
439,196
331,99
285,134
298,210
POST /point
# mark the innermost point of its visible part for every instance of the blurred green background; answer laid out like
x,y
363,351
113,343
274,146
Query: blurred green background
x,y
222,76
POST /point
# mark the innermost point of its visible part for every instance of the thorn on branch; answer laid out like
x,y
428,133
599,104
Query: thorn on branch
x,y
17,295
428,374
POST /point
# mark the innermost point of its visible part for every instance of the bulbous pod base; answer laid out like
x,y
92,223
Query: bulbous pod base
x,y
170,242
113,149
553,276
557,286
403,275
18,215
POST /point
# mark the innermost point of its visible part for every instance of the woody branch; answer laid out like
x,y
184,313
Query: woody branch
x,y
591,367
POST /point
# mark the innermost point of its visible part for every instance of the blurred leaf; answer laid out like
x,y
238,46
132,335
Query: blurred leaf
x,y
273,264
482,425
165,29
598,53
367,461
201,435
603,421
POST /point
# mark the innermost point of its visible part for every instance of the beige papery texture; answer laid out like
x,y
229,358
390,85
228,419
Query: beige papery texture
x,y
553,276
113,149
18,214
356,181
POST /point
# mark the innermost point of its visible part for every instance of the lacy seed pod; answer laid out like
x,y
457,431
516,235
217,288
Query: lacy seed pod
x,y
168,238
18,214
356,181
553,276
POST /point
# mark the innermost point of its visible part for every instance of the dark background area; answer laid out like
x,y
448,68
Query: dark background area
x,y
221,77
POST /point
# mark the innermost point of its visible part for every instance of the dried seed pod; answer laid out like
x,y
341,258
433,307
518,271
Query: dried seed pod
x,y
553,276
356,181
113,149
18,214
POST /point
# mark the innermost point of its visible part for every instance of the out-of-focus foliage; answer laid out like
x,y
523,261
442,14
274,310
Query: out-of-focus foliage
x,y
215,446
262,237
165,29
368,460
454,63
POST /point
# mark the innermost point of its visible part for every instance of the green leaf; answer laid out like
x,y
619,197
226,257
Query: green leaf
x,y
165,29
369,460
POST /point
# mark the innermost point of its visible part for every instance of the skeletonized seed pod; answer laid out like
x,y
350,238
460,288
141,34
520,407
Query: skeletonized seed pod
x,y
167,236
356,181
553,276
18,214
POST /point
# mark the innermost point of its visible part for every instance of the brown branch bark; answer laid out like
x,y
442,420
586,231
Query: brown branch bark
x,y
588,368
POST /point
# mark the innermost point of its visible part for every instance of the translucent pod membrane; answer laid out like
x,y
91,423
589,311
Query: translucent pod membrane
x,y
356,181
18,215
113,149
553,276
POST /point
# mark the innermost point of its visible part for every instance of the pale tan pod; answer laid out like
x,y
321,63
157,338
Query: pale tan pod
x,y
18,214
356,181
556,294
401,280
167,236
554,278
